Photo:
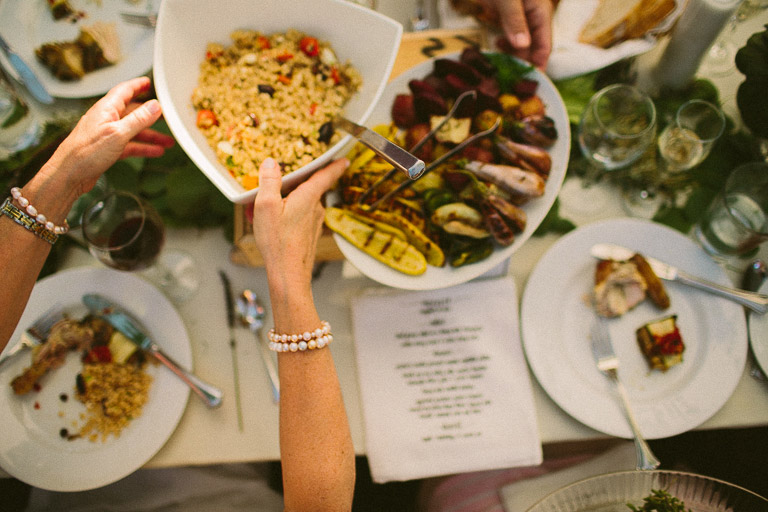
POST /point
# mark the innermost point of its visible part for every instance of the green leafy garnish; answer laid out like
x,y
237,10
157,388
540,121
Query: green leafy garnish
x,y
660,501
510,71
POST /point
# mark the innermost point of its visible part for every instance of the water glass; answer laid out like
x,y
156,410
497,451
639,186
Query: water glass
x,y
617,126
736,221
688,139
19,127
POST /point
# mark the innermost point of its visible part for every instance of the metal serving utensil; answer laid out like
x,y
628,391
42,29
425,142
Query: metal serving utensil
x,y
388,150
608,363
251,314
436,163
420,144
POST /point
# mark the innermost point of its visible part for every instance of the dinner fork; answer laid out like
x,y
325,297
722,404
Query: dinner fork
x,y
608,363
145,20
35,334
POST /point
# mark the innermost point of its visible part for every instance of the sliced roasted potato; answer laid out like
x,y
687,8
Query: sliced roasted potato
x,y
385,247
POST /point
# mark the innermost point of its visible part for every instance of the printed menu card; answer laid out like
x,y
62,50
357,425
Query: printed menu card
x,y
443,381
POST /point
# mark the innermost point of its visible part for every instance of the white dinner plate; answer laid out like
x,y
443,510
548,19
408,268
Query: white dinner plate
x,y
443,277
556,318
27,24
31,448
758,335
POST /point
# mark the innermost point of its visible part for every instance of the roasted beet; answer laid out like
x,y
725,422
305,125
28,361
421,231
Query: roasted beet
x,y
474,57
489,86
438,84
445,67
422,87
526,87
458,85
403,111
478,153
428,105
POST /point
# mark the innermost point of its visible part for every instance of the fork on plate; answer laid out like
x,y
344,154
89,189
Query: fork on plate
x,y
36,333
608,363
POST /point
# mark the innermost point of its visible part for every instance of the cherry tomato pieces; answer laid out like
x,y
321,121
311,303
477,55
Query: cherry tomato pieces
x,y
309,46
263,43
206,119
98,354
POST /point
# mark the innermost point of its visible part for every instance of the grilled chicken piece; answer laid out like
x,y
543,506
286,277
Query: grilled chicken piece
x,y
618,288
65,335
96,47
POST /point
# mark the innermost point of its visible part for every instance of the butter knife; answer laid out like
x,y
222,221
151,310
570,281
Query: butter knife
x,y
27,75
389,151
757,302
126,325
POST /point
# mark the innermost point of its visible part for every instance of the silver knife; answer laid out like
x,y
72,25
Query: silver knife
x,y
387,150
27,75
757,302
126,325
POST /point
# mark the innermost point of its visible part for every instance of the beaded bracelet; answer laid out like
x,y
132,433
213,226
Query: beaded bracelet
x,y
39,217
19,217
309,340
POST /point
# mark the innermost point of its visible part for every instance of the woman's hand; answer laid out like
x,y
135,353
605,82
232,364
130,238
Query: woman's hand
x,y
287,229
527,27
111,129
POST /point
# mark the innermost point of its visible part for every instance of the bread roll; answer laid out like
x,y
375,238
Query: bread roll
x,y
618,20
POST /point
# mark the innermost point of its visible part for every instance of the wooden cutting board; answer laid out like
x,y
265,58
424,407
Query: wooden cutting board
x,y
415,48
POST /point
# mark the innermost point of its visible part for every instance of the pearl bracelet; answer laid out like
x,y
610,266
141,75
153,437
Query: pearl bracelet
x,y
39,217
309,340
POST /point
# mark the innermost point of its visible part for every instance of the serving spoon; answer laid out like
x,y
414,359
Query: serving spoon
x,y
251,314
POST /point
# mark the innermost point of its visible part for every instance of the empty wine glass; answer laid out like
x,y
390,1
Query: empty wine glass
x,y
617,126
687,140
19,126
125,232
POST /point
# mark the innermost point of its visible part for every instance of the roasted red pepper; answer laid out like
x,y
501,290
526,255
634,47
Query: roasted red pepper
x,y
309,46
284,57
98,354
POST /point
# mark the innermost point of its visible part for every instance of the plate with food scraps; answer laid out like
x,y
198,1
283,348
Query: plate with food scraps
x,y
40,444
758,335
435,277
557,314
27,25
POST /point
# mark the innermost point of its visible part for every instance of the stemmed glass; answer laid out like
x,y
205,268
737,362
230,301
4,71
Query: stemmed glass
x,y
683,144
125,232
687,140
616,128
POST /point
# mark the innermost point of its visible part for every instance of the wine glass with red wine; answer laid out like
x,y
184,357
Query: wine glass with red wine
x,y
125,232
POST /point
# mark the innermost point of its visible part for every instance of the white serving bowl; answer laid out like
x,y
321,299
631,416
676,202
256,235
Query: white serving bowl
x,y
365,38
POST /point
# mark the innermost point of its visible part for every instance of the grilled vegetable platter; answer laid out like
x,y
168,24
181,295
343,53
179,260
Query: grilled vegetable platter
x,y
495,136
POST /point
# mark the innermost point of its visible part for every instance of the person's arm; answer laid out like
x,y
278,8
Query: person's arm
x,y
112,128
316,450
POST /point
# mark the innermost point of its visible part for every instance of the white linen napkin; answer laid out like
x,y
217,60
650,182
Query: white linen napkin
x,y
570,58
443,381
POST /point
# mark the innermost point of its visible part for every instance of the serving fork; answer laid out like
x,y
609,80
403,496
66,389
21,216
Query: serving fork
x,y
35,334
608,363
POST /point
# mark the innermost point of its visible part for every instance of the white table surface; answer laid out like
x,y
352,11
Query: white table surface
x,y
211,436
